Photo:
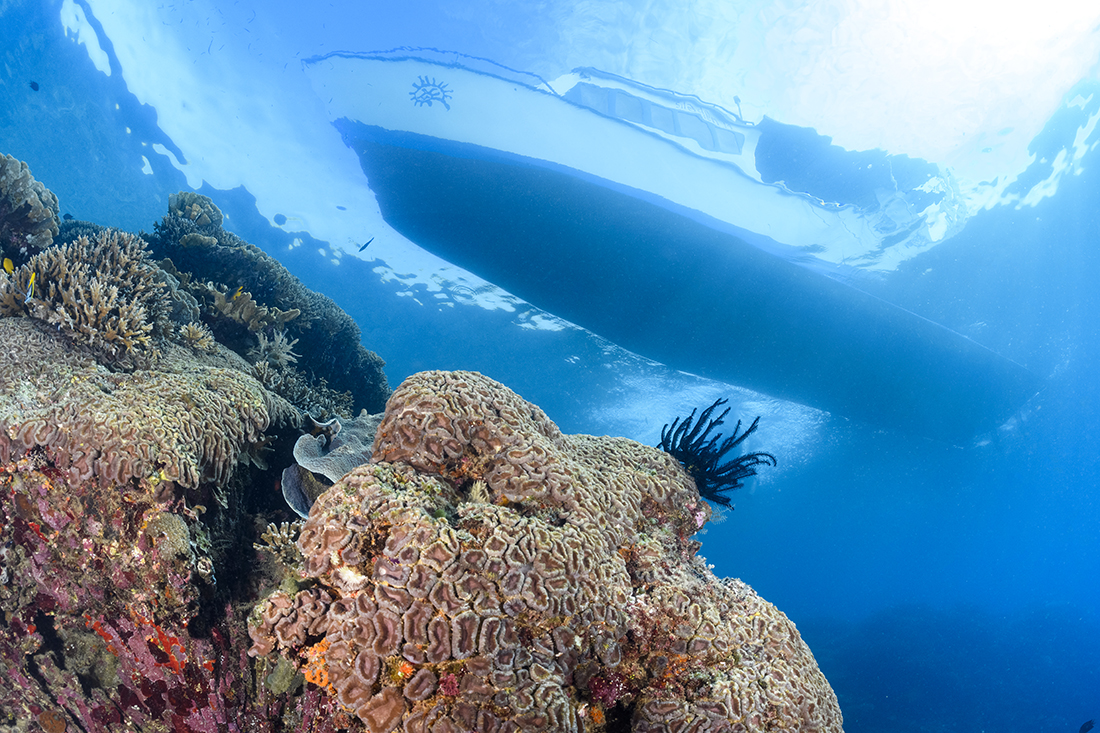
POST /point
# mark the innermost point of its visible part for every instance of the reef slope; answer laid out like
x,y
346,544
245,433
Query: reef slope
x,y
483,572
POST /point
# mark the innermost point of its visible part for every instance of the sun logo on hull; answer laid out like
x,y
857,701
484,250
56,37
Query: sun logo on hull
x,y
426,91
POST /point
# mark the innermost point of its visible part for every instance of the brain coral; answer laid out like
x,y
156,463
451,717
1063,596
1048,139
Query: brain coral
x,y
28,211
488,573
187,426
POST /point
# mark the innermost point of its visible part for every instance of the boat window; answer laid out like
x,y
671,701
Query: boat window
x,y
625,106
729,141
589,96
662,119
630,108
693,127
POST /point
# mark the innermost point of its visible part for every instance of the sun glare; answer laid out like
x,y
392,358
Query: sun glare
x,y
964,84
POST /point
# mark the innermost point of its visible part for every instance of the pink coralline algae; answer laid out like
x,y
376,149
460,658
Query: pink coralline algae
x,y
96,610
448,684
486,572
607,688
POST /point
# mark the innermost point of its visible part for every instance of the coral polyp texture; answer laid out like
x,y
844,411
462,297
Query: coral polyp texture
x,y
187,427
487,572
28,211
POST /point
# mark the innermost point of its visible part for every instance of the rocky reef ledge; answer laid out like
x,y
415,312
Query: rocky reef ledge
x,y
481,572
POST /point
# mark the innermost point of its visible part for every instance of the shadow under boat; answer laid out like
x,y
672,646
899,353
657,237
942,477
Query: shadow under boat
x,y
724,298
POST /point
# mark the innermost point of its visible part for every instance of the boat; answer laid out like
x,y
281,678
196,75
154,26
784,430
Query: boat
x,y
640,214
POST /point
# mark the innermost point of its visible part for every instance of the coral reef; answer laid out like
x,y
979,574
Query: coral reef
x,y
108,558
311,397
277,351
72,229
254,291
482,572
197,336
240,308
103,293
133,483
701,454
28,212
486,572
195,207
116,426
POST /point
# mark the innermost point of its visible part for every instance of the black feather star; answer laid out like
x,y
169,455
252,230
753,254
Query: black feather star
x,y
701,455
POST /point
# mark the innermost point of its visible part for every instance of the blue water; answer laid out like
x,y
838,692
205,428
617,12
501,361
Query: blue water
x,y
941,588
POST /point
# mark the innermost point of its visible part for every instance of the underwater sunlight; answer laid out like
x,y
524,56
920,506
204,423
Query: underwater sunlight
x,y
584,366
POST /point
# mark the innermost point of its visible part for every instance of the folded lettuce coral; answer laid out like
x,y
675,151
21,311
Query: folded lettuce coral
x,y
324,457
186,422
486,572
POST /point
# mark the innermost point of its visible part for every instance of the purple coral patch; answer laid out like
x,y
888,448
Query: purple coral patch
x,y
607,689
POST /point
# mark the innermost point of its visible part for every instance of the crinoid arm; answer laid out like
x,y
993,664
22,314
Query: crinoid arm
x,y
701,454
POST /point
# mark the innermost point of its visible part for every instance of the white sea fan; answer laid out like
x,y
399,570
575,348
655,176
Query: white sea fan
x,y
277,351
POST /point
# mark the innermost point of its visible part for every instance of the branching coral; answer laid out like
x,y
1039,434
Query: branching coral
x,y
701,454
309,396
197,336
216,263
104,293
279,540
242,308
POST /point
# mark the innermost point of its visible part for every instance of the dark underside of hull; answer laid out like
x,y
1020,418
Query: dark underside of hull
x,y
675,290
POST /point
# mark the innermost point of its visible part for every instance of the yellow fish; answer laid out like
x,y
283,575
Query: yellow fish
x,y
238,293
8,266
30,289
